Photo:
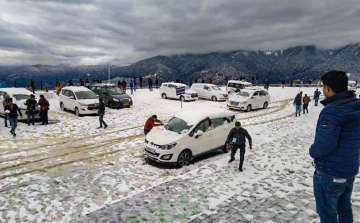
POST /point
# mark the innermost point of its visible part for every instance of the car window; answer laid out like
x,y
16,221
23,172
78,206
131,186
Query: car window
x,y
85,95
263,93
177,125
206,88
243,94
216,122
203,126
20,97
257,93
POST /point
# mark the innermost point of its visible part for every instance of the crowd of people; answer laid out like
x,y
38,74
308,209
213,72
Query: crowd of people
x,y
301,102
33,107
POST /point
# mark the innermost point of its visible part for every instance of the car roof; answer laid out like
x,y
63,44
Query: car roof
x,y
177,84
76,88
102,85
203,84
193,117
253,89
16,90
239,82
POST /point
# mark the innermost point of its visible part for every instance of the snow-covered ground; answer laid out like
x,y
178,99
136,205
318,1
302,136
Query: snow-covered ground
x,y
68,170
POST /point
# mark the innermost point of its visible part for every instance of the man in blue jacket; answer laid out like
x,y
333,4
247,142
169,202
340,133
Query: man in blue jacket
x,y
336,149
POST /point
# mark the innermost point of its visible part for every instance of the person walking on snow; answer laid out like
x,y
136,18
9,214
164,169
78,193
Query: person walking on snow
x,y
132,85
30,109
236,140
317,94
336,149
151,123
298,103
12,110
101,113
44,109
306,101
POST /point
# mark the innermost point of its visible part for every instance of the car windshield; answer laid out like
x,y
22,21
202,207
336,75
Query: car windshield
x,y
216,88
243,94
85,95
113,91
177,125
236,85
20,97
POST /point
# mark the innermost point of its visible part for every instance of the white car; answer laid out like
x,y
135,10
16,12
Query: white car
x,y
19,96
234,86
209,91
80,100
168,90
187,135
249,99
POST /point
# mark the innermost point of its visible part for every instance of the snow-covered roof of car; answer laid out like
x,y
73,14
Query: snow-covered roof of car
x,y
239,82
193,117
177,84
204,84
16,91
76,88
103,85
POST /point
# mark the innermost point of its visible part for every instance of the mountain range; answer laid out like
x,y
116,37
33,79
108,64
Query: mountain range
x,y
300,62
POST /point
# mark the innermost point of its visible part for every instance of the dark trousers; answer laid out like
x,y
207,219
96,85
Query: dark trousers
x,y
242,154
298,110
6,118
305,108
333,199
102,122
146,131
44,117
13,124
316,101
30,117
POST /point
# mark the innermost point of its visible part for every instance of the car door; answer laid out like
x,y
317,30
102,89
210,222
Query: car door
x,y
257,99
206,93
201,138
220,127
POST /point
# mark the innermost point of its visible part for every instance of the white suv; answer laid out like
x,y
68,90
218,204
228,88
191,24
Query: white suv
x,y
80,100
209,91
249,99
187,135
168,90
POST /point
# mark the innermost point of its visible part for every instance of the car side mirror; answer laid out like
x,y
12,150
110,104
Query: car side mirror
x,y
198,134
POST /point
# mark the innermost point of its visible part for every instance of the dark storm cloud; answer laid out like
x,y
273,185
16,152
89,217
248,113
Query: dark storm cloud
x,y
101,31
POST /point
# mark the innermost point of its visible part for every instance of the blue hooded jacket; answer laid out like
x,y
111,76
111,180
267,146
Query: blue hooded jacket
x,y
337,140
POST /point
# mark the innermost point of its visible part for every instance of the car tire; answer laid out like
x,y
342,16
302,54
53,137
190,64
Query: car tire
x,y
248,108
182,98
77,112
213,98
62,107
266,104
184,158
163,96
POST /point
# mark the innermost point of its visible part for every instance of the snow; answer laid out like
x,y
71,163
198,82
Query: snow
x,y
60,172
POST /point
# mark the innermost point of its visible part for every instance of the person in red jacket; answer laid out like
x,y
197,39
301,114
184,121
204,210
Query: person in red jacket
x,y
44,108
150,123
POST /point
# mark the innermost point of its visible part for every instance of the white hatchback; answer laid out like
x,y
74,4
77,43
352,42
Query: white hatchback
x,y
168,90
249,99
209,91
80,100
187,135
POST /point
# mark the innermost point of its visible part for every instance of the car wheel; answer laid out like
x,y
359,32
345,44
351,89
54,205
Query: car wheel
x,y
248,109
266,104
184,158
163,96
213,98
77,112
62,107
182,98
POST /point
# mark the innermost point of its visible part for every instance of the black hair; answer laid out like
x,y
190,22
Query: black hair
x,y
336,80
237,123
154,116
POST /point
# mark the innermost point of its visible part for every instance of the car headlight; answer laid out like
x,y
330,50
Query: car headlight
x,y
115,99
169,146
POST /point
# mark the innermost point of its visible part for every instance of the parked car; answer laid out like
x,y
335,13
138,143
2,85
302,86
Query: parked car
x,y
209,91
19,96
168,90
234,86
249,99
80,100
113,96
187,135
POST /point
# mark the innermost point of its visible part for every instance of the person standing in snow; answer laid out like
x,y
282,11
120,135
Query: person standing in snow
x,y
306,101
317,94
44,109
151,123
5,104
336,149
101,113
150,83
298,103
30,109
12,110
132,87
236,140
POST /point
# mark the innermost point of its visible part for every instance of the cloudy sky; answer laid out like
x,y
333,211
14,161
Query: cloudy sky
x,y
124,31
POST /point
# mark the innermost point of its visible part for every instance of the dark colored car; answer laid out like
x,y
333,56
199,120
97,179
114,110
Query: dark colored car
x,y
113,97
